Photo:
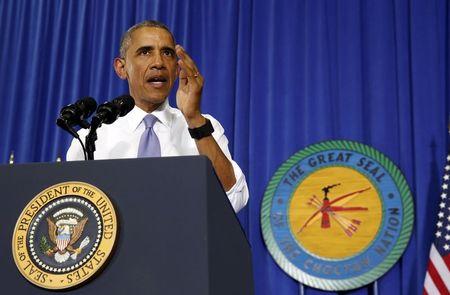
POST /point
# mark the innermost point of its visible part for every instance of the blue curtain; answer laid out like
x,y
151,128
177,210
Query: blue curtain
x,y
280,75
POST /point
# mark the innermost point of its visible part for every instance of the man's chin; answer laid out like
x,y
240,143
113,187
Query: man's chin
x,y
150,103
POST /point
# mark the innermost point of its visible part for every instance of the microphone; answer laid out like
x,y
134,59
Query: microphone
x,y
109,111
76,114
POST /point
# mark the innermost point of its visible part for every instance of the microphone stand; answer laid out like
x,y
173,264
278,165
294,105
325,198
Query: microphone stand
x,y
92,137
90,143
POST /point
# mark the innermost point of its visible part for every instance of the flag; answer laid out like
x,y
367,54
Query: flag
x,y
437,279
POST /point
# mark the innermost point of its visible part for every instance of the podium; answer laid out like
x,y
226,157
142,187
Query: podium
x,y
178,233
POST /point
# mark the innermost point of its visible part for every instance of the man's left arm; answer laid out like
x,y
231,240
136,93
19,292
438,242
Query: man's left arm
x,y
188,101
208,146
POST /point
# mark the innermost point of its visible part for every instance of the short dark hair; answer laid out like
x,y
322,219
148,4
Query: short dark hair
x,y
126,38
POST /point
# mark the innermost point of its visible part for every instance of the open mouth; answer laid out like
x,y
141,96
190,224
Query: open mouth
x,y
157,81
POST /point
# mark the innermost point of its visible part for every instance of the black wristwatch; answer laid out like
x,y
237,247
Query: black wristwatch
x,y
203,131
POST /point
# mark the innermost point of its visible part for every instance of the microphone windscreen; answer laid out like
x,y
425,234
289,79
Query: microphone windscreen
x,y
87,105
124,103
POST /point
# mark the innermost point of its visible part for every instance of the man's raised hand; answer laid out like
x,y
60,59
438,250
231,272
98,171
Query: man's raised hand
x,y
190,86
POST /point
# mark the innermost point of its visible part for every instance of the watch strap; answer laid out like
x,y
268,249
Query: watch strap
x,y
203,131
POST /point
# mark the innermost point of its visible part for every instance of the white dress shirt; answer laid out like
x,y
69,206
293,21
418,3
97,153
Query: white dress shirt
x,y
121,140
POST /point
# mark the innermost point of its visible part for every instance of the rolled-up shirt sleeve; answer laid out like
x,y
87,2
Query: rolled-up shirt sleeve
x,y
238,194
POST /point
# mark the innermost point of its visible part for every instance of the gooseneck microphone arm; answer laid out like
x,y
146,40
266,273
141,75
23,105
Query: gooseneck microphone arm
x,y
82,146
107,113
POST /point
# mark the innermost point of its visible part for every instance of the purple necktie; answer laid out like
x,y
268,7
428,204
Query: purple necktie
x,y
149,143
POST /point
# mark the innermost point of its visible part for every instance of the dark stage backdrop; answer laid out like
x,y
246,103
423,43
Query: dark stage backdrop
x,y
280,75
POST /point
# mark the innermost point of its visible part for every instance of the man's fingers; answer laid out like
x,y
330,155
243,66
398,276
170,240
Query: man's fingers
x,y
187,68
184,55
190,74
186,59
184,75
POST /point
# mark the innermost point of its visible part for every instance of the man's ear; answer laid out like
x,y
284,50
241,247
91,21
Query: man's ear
x,y
119,67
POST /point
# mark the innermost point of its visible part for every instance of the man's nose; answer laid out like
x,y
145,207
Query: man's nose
x,y
157,62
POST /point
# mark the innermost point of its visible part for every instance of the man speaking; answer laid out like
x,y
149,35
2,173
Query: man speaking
x,y
151,61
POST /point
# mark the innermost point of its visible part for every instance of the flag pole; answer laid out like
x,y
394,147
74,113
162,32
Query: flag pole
x,y
375,287
301,289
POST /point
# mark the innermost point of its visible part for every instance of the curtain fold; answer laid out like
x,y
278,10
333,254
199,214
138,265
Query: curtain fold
x,y
279,75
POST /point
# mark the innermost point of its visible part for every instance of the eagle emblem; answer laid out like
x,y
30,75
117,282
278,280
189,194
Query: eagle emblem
x,y
64,231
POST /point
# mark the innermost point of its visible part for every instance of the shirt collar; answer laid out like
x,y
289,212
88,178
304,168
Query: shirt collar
x,y
163,113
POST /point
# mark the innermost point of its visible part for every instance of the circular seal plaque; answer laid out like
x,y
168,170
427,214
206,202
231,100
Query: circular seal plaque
x,y
337,215
64,235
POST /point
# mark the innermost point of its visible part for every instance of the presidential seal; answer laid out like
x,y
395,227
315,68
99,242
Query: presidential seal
x,y
337,215
64,235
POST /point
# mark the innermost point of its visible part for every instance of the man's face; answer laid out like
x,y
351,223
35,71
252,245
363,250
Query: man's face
x,y
150,66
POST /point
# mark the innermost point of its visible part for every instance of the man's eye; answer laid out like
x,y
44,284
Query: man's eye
x,y
168,53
